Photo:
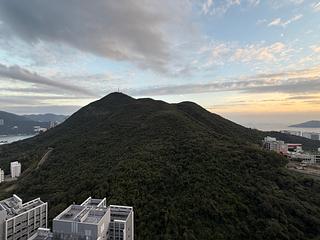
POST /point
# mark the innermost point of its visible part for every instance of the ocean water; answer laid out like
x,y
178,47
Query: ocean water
x,y
278,127
13,138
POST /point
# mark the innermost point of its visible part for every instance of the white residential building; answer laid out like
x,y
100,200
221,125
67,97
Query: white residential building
x,y
21,221
94,220
1,175
311,135
306,158
272,144
121,225
15,168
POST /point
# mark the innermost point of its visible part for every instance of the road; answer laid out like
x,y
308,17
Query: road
x,y
45,157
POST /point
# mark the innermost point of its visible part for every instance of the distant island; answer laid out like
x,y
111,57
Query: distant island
x,y
309,124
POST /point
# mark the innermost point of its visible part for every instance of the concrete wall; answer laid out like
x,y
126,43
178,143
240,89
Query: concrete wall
x,y
25,225
3,215
65,230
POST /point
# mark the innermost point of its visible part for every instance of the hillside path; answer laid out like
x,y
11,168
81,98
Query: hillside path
x,y
45,157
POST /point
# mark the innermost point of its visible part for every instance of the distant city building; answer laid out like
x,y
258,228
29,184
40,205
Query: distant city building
x,y
306,158
15,168
292,151
1,175
294,147
53,124
93,220
38,129
20,221
290,132
311,135
272,144
1,122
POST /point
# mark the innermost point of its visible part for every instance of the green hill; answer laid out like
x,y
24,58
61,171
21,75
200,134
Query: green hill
x,y
15,124
188,173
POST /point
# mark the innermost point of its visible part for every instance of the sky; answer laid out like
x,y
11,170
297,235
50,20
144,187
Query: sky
x,y
252,61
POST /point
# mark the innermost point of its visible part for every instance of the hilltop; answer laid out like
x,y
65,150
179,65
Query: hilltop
x,y
188,173
309,124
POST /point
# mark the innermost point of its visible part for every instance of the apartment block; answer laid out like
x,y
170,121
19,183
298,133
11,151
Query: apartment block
x,y
15,168
311,135
88,221
94,220
42,234
272,144
20,221
121,226
1,175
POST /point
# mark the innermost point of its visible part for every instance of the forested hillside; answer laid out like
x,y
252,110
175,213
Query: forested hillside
x,y
188,173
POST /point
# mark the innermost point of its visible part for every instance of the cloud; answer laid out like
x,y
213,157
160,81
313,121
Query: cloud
x,y
44,108
219,7
21,74
206,6
304,97
316,7
292,82
260,53
315,48
282,23
124,30
280,3
256,55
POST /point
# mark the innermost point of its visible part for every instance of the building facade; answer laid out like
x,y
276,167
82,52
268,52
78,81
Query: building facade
x,y
88,221
1,175
121,226
15,168
311,135
94,220
272,144
20,221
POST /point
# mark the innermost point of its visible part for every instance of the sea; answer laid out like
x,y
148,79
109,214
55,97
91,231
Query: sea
x,y
278,127
6,139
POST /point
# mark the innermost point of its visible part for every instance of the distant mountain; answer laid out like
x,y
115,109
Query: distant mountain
x,y
48,117
309,124
15,124
188,173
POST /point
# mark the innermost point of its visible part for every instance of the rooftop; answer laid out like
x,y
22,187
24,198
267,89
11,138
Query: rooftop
x,y
42,234
90,211
120,213
14,205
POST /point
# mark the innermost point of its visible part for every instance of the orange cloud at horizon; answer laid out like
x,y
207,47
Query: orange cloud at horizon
x,y
269,103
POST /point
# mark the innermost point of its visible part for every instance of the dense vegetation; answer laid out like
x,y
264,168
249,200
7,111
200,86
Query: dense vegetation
x,y
188,173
